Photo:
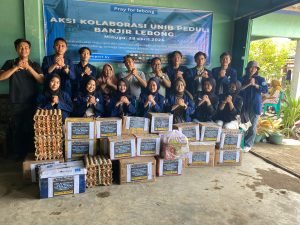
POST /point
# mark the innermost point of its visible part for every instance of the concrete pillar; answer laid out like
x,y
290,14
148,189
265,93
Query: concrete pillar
x,y
295,84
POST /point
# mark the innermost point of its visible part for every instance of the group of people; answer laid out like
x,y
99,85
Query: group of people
x,y
195,94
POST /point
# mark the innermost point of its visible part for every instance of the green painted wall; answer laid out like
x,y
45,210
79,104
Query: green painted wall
x,y
276,25
11,28
29,21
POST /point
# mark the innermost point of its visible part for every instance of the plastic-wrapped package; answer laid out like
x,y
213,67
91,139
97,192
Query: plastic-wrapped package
x,y
174,145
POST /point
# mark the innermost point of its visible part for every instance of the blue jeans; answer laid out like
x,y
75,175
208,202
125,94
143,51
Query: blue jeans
x,y
251,133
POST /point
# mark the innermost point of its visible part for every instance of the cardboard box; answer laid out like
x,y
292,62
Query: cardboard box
x,y
31,167
108,127
122,147
147,145
190,130
169,167
56,182
210,132
135,125
201,154
76,149
139,169
228,157
80,128
230,139
160,122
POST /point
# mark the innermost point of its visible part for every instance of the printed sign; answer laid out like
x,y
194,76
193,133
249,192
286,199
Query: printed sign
x,y
122,149
115,30
139,172
63,185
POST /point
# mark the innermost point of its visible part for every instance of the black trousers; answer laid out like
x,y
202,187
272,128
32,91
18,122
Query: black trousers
x,y
21,133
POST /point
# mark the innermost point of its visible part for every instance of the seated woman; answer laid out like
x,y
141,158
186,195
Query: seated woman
x,y
122,103
274,93
107,83
89,102
206,102
151,101
54,98
180,103
230,106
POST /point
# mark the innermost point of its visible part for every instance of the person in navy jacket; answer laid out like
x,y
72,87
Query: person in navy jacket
x,y
224,74
206,102
180,103
59,64
253,86
151,101
175,70
230,106
122,103
89,102
54,98
197,74
82,70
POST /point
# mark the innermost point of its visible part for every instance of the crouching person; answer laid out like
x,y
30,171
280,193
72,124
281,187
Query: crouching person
x,y
122,103
230,106
54,98
180,103
89,102
151,101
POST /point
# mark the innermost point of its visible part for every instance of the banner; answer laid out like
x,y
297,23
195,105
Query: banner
x,y
114,30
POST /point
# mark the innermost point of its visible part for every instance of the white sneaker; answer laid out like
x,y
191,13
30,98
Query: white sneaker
x,y
247,149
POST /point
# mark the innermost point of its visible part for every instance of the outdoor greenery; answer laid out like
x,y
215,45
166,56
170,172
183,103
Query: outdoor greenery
x,y
271,54
291,113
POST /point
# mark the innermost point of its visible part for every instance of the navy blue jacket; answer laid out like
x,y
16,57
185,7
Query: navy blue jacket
x,y
227,115
158,107
80,104
205,113
192,84
251,95
122,110
171,72
64,103
171,100
230,76
77,70
65,78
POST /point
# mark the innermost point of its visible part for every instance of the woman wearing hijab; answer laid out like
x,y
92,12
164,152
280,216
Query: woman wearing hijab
x,y
107,83
89,102
54,98
230,106
180,103
122,103
206,102
151,101
274,93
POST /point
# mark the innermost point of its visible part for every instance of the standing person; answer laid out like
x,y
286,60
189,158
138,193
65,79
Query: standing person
x,y
54,98
206,102
253,86
82,70
59,64
123,103
230,106
224,74
198,74
151,101
175,70
162,77
89,102
180,103
24,76
107,83
136,79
